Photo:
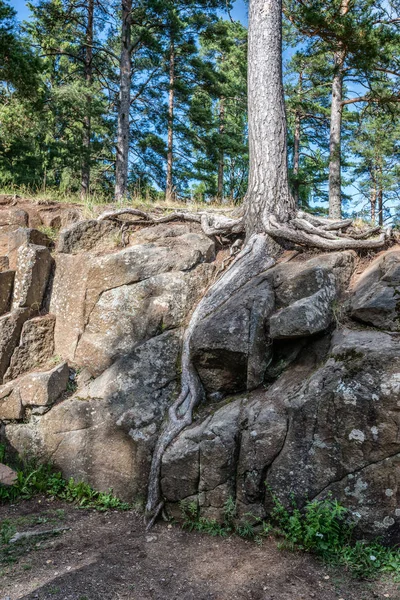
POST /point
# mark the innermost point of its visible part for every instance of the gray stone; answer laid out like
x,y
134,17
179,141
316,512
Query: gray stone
x,y
86,236
376,296
308,315
295,280
35,389
230,348
6,289
31,277
22,237
202,460
128,315
36,347
343,420
10,329
82,288
91,436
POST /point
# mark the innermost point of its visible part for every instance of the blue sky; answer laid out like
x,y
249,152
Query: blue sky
x,y
239,11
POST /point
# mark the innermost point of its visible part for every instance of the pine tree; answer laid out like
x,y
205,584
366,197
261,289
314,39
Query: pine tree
x,y
358,40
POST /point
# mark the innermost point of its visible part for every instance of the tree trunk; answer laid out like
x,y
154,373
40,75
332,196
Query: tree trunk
x,y
296,144
170,156
122,158
335,179
268,191
380,191
380,206
85,182
296,157
372,196
221,165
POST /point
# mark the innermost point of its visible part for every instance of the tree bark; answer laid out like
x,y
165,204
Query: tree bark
x,y
170,156
380,191
268,191
372,196
85,180
335,179
296,157
221,164
122,158
296,144
335,139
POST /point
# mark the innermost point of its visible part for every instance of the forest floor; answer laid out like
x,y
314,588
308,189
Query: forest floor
x,y
110,556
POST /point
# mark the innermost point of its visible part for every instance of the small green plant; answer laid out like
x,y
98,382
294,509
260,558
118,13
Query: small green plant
x,y
33,478
325,528
7,530
322,527
51,232
194,522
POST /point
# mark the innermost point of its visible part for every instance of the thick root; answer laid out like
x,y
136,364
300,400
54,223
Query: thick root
x,y
212,224
249,263
304,229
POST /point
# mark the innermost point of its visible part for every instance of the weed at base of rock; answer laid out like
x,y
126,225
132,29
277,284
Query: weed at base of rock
x,y
322,527
33,478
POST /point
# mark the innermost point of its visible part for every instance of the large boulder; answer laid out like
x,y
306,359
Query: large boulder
x,y
127,315
107,304
344,420
333,428
376,296
85,236
105,433
230,347
307,315
233,346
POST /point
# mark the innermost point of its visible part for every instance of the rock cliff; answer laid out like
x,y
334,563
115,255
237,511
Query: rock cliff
x,y
301,366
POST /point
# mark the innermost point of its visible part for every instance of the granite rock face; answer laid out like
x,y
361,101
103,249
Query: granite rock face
x,y
376,298
90,345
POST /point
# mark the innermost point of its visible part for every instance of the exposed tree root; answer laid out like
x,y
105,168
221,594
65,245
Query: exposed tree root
x,y
211,223
304,229
249,263
313,237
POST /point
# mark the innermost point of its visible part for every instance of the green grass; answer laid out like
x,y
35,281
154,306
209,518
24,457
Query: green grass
x,y
34,478
324,528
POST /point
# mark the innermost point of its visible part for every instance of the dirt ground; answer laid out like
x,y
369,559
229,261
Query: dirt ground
x,y
109,556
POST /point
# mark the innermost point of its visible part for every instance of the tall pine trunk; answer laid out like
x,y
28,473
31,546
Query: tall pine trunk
x,y
296,158
122,157
221,159
296,145
380,192
372,197
87,125
268,191
335,139
169,190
